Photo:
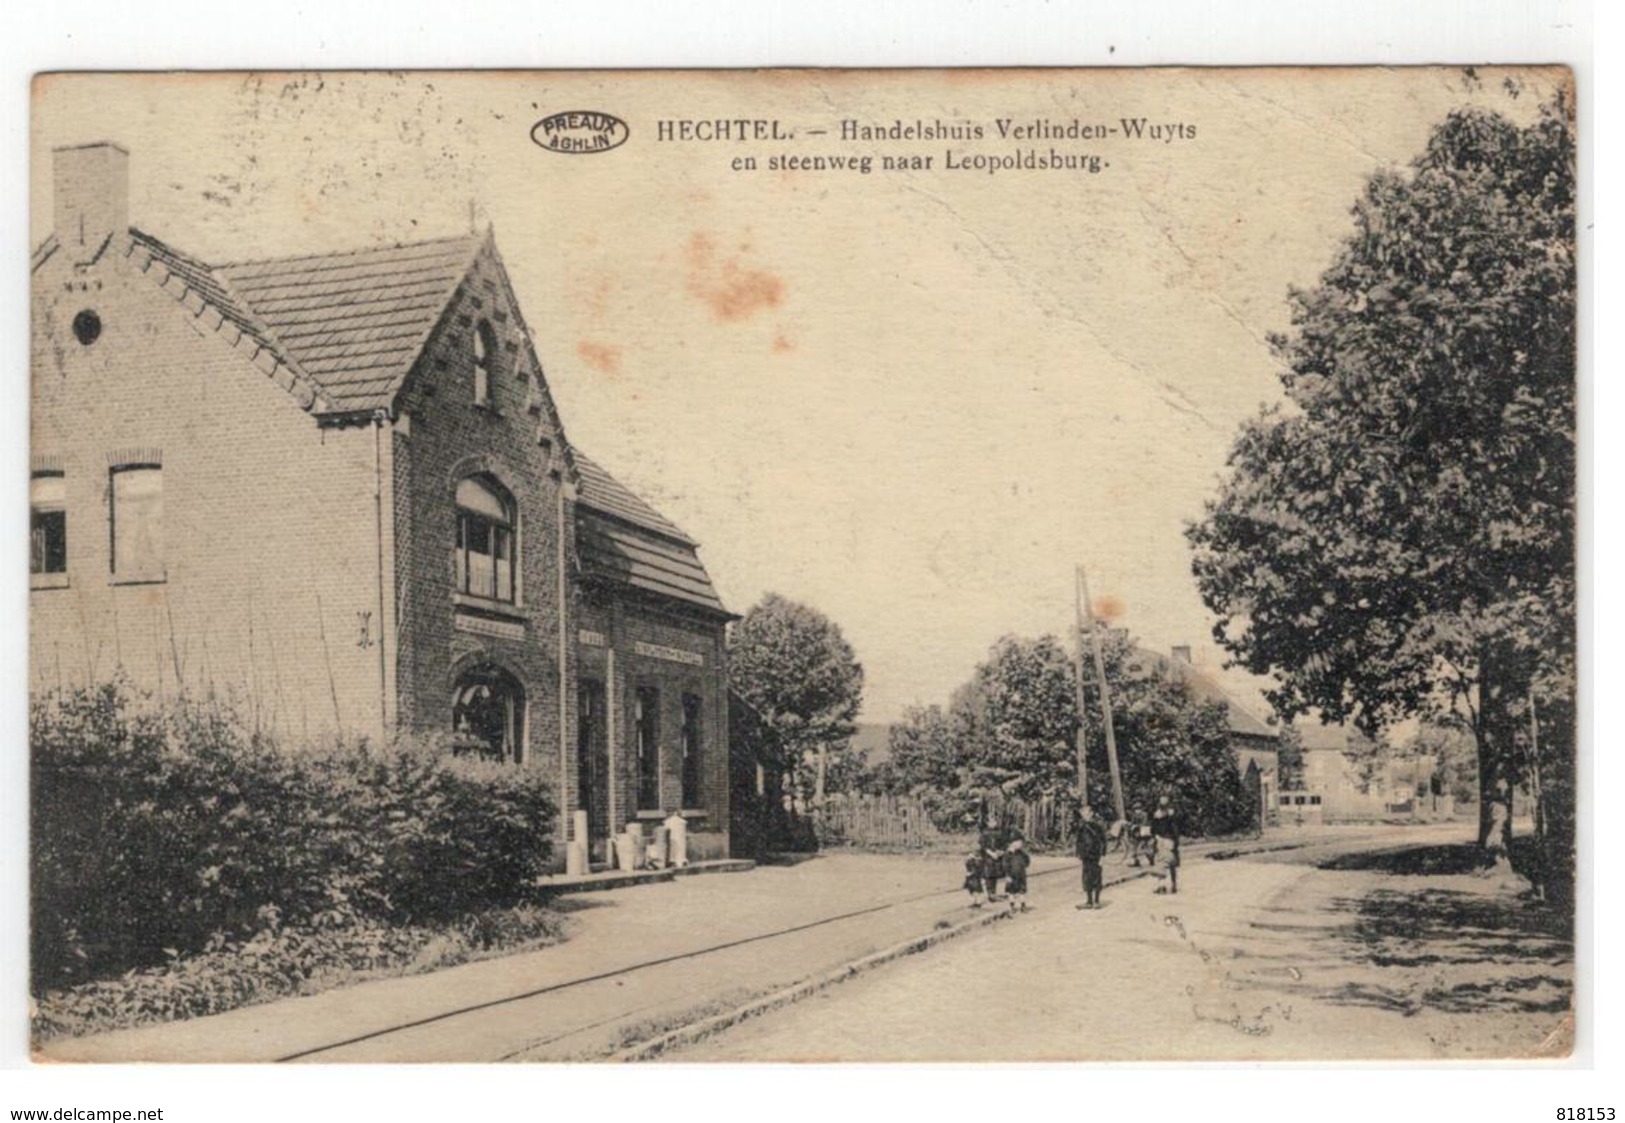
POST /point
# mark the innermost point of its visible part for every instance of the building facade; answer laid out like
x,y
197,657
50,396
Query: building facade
x,y
335,490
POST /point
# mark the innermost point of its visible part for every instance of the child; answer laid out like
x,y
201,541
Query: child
x,y
1091,847
1165,821
1016,861
1144,840
993,842
973,878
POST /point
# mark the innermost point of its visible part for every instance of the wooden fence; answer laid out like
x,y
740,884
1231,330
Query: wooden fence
x,y
892,822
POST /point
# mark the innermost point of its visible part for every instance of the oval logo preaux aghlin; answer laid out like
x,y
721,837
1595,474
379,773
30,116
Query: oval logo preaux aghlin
x,y
580,132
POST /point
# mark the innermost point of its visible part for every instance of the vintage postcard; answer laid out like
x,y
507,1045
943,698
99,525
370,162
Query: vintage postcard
x,y
985,565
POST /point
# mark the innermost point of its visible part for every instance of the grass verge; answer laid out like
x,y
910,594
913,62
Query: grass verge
x,y
284,962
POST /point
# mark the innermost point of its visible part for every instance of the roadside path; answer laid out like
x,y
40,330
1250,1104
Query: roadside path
x,y
1263,957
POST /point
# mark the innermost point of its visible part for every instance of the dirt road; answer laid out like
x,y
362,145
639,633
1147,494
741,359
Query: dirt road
x,y
1258,958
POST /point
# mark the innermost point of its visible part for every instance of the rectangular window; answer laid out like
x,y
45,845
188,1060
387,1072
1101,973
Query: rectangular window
x,y
691,751
484,558
48,527
137,523
646,735
589,734
502,563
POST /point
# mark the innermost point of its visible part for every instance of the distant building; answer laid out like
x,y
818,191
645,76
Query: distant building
x,y
1334,789
1255,746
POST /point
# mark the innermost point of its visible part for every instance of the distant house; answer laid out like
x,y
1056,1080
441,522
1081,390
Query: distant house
x,y
336,488
1334,788
1256,746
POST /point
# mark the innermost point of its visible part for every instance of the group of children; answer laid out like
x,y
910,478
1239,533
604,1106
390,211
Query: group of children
x,y
1001,855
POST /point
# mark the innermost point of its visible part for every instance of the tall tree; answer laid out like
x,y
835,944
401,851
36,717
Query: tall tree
x,y
1170,742
1398,538
1367,757
1013,726
792,663
1017,718
1454,756
924,752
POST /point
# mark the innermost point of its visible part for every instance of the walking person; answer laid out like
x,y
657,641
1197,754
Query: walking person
x,y
992,843
1016,861
1091,848
1165,828
1141,840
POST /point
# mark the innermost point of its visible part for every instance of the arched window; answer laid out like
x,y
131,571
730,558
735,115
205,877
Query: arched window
x,y
485,540
488,715
485,346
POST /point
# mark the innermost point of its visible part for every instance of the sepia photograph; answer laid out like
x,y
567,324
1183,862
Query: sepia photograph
x,y
804,565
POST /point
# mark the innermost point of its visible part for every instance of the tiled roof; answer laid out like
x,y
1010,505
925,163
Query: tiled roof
x,y
209,285
355,321
603,492
1240,721
623,541
614,552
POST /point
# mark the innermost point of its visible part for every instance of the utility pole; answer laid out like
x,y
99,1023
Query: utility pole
x,y
1105,693
1083,713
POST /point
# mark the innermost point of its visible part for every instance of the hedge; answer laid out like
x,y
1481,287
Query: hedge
x,y
164,831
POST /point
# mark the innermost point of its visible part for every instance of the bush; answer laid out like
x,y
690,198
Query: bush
x,y
165,831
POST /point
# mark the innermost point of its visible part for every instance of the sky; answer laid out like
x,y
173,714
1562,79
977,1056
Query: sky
x,y
913,399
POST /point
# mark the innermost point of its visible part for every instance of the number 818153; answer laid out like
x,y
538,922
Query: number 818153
x,y
1585,1114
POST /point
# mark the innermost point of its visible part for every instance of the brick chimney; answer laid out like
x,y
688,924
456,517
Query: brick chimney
x,y
91,192
1182,654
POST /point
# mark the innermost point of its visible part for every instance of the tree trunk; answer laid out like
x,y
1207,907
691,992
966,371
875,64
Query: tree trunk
x,y
1536,783
823,773
1494,734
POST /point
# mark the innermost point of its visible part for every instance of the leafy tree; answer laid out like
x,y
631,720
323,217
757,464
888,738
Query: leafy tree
x,y
1455,758
1367,756
792,664
924,752
1169,742
1398,538
1018,718
848,770
1013,728
1289,761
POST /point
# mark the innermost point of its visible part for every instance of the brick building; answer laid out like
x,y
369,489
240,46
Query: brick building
x,y
335,489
